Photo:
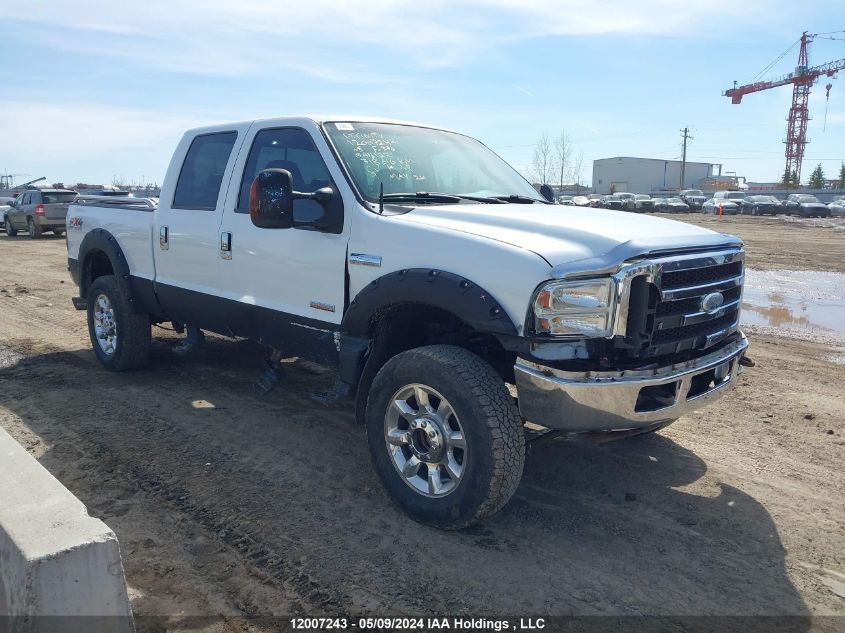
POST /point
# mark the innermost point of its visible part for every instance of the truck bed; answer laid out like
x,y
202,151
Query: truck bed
x,y
131,223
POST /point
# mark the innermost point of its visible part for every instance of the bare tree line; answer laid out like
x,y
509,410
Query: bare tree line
x,y
555,162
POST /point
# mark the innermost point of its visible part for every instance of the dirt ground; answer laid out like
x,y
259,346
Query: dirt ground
x,y
781,242
228,505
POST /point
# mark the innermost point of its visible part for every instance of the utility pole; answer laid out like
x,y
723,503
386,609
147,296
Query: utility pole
x,y
687,138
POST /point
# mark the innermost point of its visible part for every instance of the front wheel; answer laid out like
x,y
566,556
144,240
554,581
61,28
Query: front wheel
x,y
11,231
444,436
120,338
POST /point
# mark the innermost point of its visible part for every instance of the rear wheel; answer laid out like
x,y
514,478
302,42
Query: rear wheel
x,y
444,436
35,231
120,338
58,232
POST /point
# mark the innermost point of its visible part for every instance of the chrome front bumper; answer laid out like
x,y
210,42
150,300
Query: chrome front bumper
x,y
619,400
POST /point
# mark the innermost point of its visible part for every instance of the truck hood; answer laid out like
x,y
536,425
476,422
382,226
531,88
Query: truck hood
x,y
571,239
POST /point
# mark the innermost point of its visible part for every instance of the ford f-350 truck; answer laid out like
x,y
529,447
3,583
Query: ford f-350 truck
x,y
455,301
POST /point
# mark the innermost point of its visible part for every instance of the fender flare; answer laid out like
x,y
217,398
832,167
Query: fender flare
x,y
102,240
440,289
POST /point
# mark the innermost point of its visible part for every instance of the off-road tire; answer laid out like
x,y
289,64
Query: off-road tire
x,y
35,231
132,348
10,230
491,424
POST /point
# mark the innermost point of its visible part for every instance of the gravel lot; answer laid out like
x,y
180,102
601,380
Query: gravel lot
x,y
781,242
229,505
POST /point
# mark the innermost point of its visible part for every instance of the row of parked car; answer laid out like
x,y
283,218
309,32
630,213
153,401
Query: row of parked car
x,y
800,204
726,202
622,202
686,201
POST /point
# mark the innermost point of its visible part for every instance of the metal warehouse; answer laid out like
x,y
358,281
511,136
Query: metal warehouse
x,y
646,175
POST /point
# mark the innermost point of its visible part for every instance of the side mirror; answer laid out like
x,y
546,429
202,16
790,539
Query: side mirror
x,y
547,193
271,199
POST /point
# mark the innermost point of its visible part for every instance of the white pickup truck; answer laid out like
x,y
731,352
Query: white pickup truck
x,y
455,301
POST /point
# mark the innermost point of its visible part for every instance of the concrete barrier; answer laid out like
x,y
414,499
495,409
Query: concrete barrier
x,y
60,569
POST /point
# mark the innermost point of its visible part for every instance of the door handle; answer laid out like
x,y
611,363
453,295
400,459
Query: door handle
x,y
164,238
226,245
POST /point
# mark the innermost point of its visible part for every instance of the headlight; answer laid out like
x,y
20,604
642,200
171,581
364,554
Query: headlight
x,y
581,309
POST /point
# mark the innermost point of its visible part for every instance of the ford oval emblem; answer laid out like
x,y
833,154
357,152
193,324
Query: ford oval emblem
x,y
712,302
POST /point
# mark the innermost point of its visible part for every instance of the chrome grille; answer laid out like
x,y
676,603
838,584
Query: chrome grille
x,y
667,312
694,276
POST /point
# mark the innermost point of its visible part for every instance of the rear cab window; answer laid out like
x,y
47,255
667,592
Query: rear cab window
x,y
201,176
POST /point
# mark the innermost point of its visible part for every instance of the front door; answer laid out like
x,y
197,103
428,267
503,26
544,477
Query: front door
x,y
17,214
286,287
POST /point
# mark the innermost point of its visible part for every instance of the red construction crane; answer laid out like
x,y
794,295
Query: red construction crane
x,y
802,80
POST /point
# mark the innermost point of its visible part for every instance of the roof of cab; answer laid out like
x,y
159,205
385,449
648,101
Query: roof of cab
x,y
316,118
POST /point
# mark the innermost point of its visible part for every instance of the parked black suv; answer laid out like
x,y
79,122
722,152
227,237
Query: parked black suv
x,y
760,205
805,205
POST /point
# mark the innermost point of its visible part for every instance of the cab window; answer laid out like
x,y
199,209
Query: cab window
x,y
294,150
202,172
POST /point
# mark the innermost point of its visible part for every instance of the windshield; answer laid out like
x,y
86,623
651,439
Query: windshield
x,y
807,199
408,159
643,197
674,200
735,195
694,192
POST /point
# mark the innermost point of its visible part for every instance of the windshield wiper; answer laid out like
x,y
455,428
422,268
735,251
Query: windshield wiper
x,y
434,196
517,199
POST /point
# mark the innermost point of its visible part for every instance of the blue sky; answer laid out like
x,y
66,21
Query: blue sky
x,y
100,89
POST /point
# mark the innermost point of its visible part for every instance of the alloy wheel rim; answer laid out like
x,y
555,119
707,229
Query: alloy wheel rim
x,y
105,328
425,440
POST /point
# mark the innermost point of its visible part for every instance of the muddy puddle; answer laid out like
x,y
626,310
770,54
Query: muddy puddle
x,y
795,303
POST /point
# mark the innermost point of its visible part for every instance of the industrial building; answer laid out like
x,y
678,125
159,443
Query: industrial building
x,y
647,175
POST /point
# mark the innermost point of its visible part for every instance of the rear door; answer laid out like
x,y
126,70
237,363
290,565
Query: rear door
x,y
185,229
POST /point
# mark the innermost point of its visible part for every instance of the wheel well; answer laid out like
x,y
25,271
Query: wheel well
x,y
400,327
97,264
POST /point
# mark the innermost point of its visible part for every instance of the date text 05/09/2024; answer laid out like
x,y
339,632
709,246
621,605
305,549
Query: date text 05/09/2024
x,y
411,624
